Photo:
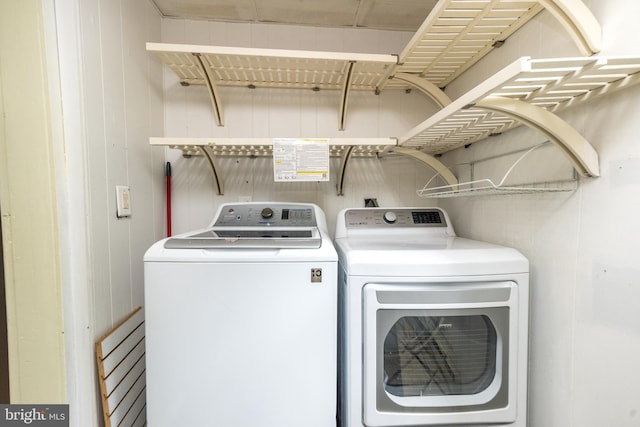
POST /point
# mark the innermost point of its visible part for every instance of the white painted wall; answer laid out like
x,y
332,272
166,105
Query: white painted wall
x,y
585,319
111,101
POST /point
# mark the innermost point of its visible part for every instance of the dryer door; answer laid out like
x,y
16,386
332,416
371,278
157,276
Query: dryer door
x,y
439,353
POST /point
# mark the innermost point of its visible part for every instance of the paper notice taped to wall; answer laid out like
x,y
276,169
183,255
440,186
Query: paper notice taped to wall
x,y
305,159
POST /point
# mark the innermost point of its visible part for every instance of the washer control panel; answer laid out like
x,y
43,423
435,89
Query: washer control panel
x,y
394,217
256,215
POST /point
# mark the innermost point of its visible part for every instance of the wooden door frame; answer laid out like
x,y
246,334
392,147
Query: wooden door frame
x,y
4,342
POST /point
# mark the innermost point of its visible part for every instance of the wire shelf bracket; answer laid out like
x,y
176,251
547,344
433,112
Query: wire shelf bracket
x,y
436,94
579,22
579,151
430,161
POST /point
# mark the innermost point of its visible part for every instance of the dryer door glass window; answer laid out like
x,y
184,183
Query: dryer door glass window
x,y
439,352
439,355
447,358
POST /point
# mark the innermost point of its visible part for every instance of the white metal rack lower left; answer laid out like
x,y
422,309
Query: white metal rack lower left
x,y
213,148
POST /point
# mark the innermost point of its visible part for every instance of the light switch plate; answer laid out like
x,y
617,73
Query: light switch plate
x,y
123,201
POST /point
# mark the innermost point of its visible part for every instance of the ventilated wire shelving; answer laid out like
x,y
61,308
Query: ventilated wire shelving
x,y
487,186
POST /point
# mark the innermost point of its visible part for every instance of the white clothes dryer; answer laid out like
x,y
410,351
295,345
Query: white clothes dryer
x,y
241,321
434,327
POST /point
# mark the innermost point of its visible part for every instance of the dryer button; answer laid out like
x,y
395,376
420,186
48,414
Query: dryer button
x,y
389,217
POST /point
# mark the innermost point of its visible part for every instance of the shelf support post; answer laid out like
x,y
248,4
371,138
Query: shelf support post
x,y
346,156
435,164
577,19
579,151
346,88
209,80
207,152
426,87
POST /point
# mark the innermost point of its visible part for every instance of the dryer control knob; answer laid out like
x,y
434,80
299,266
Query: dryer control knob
x,y
389,217
266,213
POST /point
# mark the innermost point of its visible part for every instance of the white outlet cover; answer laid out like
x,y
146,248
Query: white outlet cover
x,y
123,201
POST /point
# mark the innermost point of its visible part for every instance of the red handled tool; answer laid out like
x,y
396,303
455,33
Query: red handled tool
x,y
167,173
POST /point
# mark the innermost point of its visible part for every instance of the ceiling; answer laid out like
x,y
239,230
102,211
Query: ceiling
x,y
399,15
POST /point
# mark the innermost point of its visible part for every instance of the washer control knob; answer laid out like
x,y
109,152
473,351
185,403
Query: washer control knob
x,y
266,213
389,217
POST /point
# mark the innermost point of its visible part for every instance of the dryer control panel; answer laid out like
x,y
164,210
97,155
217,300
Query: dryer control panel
x,y
394,217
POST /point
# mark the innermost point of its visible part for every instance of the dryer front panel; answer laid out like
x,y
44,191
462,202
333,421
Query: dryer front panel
x,y
439,353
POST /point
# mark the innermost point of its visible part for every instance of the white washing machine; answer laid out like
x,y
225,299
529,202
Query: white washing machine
x,y
241,321
434,327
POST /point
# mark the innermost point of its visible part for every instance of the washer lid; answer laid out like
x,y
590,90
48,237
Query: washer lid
x,y
248,237
257,225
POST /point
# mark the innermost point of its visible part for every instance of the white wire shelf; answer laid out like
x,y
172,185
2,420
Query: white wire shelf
x,y
486,187
263,147
215,66
214,148
457,34
274,68
550,84
531,92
